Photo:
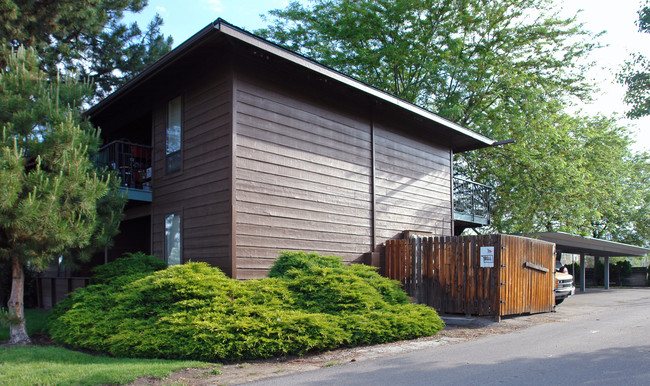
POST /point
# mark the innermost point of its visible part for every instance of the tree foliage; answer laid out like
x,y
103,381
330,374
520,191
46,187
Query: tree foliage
x,y
83,37
52,200
569,173
459,58
507,69
635,75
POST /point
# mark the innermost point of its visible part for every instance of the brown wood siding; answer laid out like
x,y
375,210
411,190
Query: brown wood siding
x,y
413,190
303,178
201,191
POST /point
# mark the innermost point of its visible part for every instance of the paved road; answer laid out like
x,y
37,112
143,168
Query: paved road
x,y
602,338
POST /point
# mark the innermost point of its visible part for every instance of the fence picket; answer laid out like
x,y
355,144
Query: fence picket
x,y
444,272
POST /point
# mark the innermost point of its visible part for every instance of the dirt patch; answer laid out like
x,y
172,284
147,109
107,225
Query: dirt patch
x,y
237,373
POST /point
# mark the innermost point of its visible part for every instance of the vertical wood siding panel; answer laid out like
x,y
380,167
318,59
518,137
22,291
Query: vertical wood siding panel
x,y
197,191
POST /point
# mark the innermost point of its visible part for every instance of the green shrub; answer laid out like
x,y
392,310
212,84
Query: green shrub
x,y
109,278
138,263
301,260
622,268
193,311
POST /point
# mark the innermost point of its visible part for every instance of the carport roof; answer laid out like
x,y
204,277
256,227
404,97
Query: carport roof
x,y
568,243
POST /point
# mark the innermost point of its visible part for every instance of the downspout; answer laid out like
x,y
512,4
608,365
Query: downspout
x,y
451,189
373,187
233,174
373,257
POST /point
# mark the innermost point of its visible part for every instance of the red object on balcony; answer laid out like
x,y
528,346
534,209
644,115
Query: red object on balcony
x,y
131,161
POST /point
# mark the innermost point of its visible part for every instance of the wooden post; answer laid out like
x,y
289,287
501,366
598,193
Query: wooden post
x,y
583,271
606,274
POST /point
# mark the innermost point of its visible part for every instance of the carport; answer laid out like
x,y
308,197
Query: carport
x,y
580,245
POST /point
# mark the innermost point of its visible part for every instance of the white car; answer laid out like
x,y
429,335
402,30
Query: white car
x,y
563,283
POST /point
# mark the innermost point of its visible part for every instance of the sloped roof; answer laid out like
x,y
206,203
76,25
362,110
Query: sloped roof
x,y
461,138
569,243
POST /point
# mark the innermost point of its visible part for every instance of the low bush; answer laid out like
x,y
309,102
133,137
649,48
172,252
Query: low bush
x,y
124,268
622,268
302,260
194,311
108,278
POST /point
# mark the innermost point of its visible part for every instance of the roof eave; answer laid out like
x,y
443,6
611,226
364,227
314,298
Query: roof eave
x,y
153,69
477,140
310,64
605,247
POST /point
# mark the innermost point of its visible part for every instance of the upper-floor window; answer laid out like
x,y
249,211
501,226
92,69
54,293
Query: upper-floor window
x,y
173,135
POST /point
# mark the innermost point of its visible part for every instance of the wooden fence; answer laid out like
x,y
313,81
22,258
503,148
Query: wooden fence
x,y
52,290
490,275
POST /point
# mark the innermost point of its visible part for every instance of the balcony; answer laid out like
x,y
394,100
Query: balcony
x,y
471,205
132,162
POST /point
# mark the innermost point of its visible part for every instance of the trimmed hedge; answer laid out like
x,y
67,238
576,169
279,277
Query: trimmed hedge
x,y
194,311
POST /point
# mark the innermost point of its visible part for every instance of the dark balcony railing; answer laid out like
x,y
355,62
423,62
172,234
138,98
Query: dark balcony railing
x,y
131,161
471,201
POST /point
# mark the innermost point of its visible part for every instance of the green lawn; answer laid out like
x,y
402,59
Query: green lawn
x,y
49,365
59,366
36,321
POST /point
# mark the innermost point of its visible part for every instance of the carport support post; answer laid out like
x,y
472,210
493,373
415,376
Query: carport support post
x,y
606,279
582,272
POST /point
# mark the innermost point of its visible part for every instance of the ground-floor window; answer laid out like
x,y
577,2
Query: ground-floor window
x,y
173,239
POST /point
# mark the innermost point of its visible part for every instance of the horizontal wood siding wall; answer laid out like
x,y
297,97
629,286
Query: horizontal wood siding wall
x,y
413,180
303,178
200,192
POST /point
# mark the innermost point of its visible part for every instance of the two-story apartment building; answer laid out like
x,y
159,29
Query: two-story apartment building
x,y
232,149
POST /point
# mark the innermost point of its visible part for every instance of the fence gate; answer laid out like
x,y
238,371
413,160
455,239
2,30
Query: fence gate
x,y
487,275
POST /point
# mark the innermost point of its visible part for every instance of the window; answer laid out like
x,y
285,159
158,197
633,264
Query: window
x,y
61,268
173,239
173,135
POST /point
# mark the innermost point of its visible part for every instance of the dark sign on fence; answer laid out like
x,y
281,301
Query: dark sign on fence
x,y
491,275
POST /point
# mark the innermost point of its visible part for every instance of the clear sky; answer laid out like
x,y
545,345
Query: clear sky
x,y
183,18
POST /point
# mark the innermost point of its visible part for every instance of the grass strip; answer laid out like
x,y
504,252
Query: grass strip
x,y
36,322
31,365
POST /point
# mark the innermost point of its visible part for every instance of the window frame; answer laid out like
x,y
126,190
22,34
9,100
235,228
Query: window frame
x,y
178,163
167,249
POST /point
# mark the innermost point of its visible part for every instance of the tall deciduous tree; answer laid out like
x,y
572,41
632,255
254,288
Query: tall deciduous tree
x,y
636,74
459,58
507,69
50,190
85,37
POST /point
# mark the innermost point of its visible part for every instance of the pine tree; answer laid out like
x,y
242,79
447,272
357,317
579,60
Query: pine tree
x,y
53,202
83,36
49,188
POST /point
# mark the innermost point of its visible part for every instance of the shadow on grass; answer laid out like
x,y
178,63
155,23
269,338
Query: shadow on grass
x,y
36,321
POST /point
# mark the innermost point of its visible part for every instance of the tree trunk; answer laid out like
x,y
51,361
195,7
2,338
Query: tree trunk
x,y
17,329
